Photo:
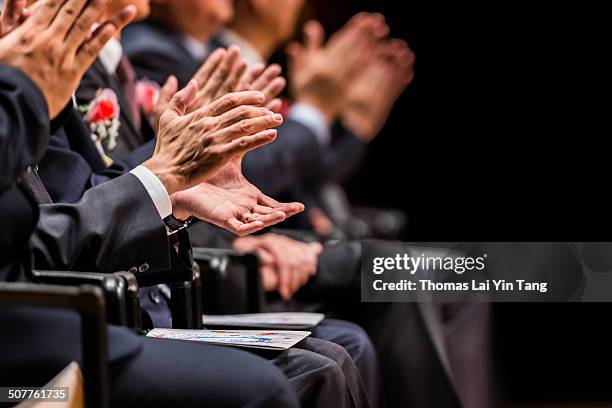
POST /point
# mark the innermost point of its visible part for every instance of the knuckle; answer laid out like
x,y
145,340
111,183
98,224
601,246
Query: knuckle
x,y
51,4
245,125
232,100
212,123
82,25
243,111
70,10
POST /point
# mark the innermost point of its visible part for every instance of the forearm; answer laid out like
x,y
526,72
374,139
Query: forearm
x,y
104,232
24,124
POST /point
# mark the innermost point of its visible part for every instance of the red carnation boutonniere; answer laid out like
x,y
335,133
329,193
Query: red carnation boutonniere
x,y
147,95
102,117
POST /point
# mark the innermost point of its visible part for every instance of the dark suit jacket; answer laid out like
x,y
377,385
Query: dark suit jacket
x,y
35,344
130,136
72,164
24,129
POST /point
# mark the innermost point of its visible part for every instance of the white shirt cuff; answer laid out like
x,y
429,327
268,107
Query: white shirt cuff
x,y
313,119
156,190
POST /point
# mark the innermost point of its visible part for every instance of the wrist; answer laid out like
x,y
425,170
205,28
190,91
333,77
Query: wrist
x,y
179,209
168,178
356,124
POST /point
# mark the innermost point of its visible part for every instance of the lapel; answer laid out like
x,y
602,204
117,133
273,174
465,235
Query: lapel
x,y
130,137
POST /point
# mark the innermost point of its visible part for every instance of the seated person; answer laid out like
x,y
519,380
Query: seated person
x,y
177,36
36,344
72,144
64,238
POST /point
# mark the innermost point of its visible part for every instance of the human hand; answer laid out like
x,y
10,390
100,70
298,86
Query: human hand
x,y
267,80
367,107
224,72
320,73
293,262
14,14
54,46
228,200
191,147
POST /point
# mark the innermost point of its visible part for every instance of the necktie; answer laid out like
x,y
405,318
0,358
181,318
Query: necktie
x,y
127,79
31,178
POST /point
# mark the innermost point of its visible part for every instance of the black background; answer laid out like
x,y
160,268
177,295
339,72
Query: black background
x,y
504,135
498,137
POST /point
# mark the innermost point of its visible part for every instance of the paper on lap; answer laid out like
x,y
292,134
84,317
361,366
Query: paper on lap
x,y
282,321
260,339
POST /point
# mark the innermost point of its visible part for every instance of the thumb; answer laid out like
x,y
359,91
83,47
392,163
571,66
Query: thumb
x,y
314,35
294,51
182,99
167,92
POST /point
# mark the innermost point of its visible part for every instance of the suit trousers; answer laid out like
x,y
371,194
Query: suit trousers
x,y
37,344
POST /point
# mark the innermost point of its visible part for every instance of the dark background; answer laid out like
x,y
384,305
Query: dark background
x,y
498,137
504,135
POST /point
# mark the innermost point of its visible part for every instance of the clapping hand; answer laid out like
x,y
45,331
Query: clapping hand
x,y
54,46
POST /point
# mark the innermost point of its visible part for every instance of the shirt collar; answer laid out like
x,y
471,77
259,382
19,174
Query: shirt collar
x,y
247,51
197,49
110,56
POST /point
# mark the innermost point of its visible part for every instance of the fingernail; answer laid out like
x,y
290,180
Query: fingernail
x,y
277,116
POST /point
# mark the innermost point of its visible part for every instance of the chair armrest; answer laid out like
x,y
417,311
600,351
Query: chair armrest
x,y
88,301
114,286
215,264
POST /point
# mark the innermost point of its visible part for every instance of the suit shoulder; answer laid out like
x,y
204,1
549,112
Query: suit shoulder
x,y
146,38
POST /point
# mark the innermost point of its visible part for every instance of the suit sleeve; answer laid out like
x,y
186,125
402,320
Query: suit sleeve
x,y
340,159
114,227
24,124
289,160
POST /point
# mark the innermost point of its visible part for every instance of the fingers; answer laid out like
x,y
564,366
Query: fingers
x,y
270,73
269,278
182,99
262,209
44,14
285,280
70,12
241,229
82,26
241,113
230,101
265,257
90,49
250,75
12,15
231,84
288,208
209,66
221,72
267,219
250,126
248,143
167,91
314,35
274,89
295,52
269,82
275,105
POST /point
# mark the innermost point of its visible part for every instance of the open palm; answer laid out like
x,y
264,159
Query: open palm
x,y
230,201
